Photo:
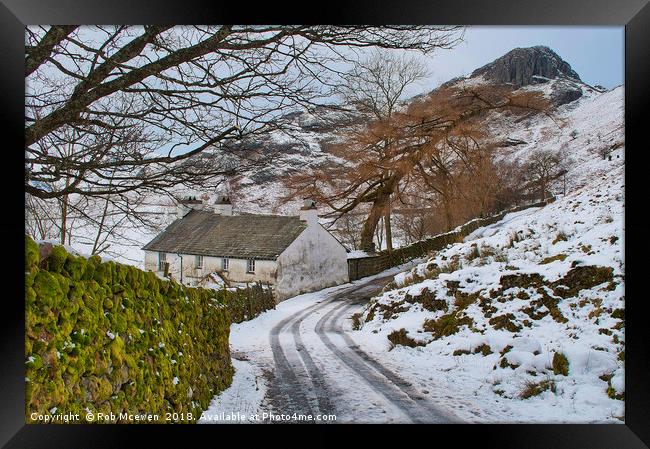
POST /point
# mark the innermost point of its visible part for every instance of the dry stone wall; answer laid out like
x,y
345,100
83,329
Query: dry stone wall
x,y
110,338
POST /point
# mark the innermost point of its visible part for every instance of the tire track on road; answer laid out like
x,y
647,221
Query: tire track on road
x,y
377,382
405,386
290,388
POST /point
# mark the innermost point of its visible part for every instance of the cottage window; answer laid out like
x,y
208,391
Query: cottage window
x,y
224,264
199,262
250,266
162,258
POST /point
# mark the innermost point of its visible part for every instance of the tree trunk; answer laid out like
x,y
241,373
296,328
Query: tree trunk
x,y
370,225
379,234
389,231
64,218
448,216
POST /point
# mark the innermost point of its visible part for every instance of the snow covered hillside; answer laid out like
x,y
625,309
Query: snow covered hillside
x,y
587,124
526,316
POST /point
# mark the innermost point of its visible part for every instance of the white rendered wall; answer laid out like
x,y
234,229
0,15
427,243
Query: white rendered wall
x,y
265,270
315,260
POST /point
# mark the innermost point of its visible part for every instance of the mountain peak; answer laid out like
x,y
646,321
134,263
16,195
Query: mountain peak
x,y
524,66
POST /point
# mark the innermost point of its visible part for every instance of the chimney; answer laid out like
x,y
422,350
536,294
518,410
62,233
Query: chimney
x,y
187,204
308,211
223,206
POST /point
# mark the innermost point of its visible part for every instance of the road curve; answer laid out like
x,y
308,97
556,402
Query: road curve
x,y
301,385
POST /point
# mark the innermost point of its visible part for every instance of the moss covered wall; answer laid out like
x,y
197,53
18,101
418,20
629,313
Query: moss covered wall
x,y
108,338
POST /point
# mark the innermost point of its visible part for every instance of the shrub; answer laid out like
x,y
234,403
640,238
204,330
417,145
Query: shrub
x,y
560,364
400,337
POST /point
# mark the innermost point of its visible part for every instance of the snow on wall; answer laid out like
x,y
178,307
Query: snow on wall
x,y
315,260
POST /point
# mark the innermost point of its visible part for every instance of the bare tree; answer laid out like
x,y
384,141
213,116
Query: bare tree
x,y
543,169
376,86
372,173
348,230
95,225
158,106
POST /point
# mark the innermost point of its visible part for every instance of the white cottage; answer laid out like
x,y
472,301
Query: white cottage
x,y
294,254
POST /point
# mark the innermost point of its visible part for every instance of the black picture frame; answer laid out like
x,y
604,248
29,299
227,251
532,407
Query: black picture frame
x,y
633,14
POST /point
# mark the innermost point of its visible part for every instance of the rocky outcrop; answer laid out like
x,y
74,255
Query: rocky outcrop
x,y
524,66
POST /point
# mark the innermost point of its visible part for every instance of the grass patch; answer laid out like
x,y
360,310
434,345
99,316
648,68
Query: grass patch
x,y
446,325
560,237
400,337
611,393
560,364
461,352
504,322
427,300
619,314
582,277
514,237
356,321
558,257
505,350
483,349
474,253
532,389
505,364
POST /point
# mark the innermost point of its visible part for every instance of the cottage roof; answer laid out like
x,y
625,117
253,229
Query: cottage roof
x,y
240,236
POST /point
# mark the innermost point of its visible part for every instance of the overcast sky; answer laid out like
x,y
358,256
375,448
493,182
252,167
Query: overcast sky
x,y
596,53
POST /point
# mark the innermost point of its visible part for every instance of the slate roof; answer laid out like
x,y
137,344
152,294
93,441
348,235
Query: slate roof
x,y
237,236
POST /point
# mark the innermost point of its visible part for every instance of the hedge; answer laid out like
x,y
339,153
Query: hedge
x,y
106,337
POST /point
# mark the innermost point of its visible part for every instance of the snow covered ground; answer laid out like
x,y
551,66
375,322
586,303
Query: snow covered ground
x,y
492,319
240,402
299,360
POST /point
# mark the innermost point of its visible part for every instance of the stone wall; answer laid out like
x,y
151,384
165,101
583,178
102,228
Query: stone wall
x,y
368,266
110,338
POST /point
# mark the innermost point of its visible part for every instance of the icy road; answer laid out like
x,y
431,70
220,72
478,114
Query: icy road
x,y
301,360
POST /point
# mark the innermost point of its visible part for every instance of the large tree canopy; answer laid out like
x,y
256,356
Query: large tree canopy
x,y
112,109
434,140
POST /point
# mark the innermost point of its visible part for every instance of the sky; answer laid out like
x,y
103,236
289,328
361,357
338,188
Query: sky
x,y
596,53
